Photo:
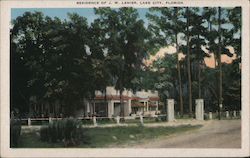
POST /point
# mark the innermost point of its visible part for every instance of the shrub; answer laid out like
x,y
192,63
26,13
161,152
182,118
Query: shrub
x,y
206,117
161,118
15,131
44,133
69,131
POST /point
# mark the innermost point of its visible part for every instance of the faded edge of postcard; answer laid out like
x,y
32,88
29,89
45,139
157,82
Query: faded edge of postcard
x,y
5,17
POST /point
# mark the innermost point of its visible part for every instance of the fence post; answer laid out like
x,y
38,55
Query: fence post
x,y
234,114
29,122
199,109
210,115
50,119
178,114
118,120
170,108
141,119
227,114
94,121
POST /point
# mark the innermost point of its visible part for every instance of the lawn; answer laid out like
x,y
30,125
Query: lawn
x,y
100,137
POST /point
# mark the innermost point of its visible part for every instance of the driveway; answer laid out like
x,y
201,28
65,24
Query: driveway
x,y
213,134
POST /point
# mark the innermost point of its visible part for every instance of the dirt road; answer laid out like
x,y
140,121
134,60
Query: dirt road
x,y
214,134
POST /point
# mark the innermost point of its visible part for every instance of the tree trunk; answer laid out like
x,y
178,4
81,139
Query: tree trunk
x,y
199,80
219,59
199,75
188,66
122,105
179,79
178,69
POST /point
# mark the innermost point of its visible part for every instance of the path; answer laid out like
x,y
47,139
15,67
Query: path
x,y
214,134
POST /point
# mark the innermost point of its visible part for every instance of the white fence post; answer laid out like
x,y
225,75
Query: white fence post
x,y
141,119
29,122
118,120
227,114
234,114
94,121
210,115
50,120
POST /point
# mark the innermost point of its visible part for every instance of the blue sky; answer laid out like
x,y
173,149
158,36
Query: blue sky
x,y
62,12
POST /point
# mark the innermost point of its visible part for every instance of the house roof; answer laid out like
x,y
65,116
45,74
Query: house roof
x,y
124,97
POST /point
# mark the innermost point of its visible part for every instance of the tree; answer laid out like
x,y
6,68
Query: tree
x,y
235,19
76,67
219,39
125,44
188,61
19,76
167,27
197,43
166,72
27,39
54,54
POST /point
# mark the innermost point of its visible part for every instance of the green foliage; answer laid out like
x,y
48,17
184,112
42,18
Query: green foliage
x,y
166,70
69,131
125,43
169,24
68,60
44,133
15,131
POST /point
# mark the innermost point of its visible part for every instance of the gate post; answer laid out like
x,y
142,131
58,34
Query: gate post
x,y
199,109
170,109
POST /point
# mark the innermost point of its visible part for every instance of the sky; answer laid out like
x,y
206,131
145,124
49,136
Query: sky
x,y
209,61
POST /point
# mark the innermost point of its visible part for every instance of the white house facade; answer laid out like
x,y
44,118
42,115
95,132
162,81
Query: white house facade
x,y
109,104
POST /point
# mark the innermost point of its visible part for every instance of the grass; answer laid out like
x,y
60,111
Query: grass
x,y
103,137
105,121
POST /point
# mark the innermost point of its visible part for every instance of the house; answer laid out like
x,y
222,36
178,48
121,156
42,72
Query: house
x,y
103,105
109,104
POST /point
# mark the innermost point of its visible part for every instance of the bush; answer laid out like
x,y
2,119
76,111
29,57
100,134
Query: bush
x,y
15,131
44,134
161,118
69,131
206,116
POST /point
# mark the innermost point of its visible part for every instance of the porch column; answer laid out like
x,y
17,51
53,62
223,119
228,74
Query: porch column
x,y
144,106
147,105
157,105
110,108
87,108
129,106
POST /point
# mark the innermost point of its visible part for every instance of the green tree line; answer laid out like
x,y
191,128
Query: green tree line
x,y
67,60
